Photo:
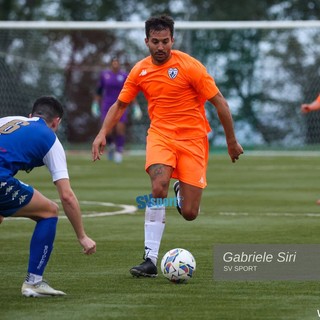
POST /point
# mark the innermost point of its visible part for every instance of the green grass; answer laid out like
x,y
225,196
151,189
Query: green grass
x,y
260,199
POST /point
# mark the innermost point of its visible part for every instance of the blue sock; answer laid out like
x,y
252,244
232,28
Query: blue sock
x,y
120,140
41,244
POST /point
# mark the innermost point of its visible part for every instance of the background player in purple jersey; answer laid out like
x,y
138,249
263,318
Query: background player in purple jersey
x,y
26,143
110,84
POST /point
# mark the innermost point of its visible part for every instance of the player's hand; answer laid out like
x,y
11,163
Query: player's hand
x,y
88,245
95,109
136,112
305,108
235,150
98,146
1,219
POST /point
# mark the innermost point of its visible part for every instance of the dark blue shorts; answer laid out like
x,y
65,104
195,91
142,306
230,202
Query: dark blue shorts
x,y
14,195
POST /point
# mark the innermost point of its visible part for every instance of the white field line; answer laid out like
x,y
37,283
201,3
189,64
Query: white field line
x,y
130,209
271,214
123,209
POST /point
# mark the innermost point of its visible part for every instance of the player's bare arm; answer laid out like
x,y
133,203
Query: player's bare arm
x,y
113,116
225,117
315,105
72,210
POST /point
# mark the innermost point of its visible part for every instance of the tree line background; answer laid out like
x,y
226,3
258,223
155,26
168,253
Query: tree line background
x,y
264,74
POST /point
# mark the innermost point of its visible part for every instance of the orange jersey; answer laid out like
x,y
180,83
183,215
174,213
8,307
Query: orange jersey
x,y
176,93
318,99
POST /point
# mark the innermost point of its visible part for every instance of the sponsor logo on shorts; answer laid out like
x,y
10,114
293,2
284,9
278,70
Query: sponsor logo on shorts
x,y
15,194
2,184
22,199
9,189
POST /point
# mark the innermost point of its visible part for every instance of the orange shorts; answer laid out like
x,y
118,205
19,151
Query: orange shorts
x,y
188,158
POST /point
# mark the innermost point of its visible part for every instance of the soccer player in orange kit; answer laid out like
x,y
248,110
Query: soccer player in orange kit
x,y
176,87
308,107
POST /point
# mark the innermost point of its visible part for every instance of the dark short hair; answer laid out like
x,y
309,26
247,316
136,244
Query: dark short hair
x,y
48,108
158,24
114,58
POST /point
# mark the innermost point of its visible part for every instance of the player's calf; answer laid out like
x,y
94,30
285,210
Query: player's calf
x,y
188,210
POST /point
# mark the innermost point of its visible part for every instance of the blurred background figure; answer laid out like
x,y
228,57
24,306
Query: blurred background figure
x,y
315,105
109,86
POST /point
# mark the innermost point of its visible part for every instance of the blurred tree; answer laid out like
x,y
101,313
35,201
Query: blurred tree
x,y
234,58
239,53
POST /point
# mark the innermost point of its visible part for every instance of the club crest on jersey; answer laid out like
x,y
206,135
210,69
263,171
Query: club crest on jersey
x,y
173,72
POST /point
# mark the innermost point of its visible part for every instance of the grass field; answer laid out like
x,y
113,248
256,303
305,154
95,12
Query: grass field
x,y
261,199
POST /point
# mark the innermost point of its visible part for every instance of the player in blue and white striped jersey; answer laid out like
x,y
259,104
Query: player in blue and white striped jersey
x,y
26,143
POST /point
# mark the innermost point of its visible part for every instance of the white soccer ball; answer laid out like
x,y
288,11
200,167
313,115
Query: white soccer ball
x,y
178,265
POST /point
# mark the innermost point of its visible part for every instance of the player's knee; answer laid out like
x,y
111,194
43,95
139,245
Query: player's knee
x,y
190,215
159,191
54,209
51,210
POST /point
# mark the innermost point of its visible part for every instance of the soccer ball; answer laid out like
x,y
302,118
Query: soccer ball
x,y
178,265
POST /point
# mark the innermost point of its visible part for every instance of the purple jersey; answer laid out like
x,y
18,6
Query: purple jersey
x,y
110,85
